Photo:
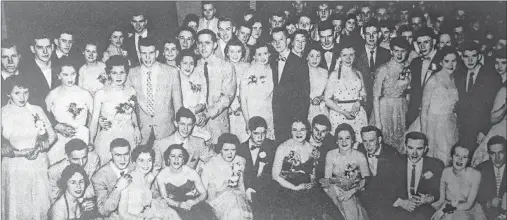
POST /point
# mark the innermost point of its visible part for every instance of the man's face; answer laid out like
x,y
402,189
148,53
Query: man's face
x,y
64,43
42,49
382,14
326,38
186,39
367,14
90,53
444,40
500,64
148,55
459,35
243,34
225,30
304,23
185,126
139,23
257,30
299,6
323,12
121,157
206,45
497,154
416,23
371,36
408,35
276,21
258,135
404,16
208,10
460,14
79,157
338,9
415,150
280,42
386,33
371,141
319,132
425,44
471,58
338,26
10,59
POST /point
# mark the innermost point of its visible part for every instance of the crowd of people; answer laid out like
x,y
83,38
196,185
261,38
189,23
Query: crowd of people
x,y
347,112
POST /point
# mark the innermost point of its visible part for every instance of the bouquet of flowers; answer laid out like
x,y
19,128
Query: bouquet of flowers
x,y
74,110
237,170
127,107
350,178
294,171
196,88
42,134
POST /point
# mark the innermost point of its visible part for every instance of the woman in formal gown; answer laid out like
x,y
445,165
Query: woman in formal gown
x,y
136,201
71,105
181,186
115,46
389,98
438,120
73,183
113,115
345,173
92,75
344,93
459,186
25,184
318,81
257,89
234,53
171,50
222,177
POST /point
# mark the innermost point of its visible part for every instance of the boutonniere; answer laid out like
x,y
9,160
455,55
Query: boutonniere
x,y
433,67
262,162
252,79
262,156
195,87
102,78
130,34
427,175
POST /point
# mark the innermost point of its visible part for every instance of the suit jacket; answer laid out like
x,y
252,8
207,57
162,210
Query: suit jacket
x,y
104,181
328,144
474,107
323,63
168,100
130,46
487,188
362,63
250,174
291,96
77,61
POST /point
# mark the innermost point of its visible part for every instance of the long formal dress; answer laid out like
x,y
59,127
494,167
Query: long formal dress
x,y
226,191
393,106
257,86
456,191
348,171
318,81
193,89
25,185
93,78
117,108
346,87
71,108
187,191
236,118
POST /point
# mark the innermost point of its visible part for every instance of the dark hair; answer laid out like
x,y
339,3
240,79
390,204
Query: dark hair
x,y
345,127
187,28
386,24
305,122
209,32
321,120
280,29
470,46
261,45
116,60
39,35
310,47
65,31
8,43
207,3
75,145
417,14
453,151
337,17
500,54
20,81
248,24
440,55
147,42
226,138
174,41
184,113
424,31
497,139
351,16
167,153
404,28
66,61
142,149
400,41
90,42
189,18
68,172
415,135
300,32
119,142
278,13
234,42
225,19
326,25
256,122
186,53
371,128
371,23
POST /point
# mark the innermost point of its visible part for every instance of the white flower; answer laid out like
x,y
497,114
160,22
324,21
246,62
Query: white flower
x,y
433,66
262,155
41,127
428,175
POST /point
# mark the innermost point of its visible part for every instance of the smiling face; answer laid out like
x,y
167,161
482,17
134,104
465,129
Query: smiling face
x,y
228,152
298,131
299,43
19,96
68,76
234,53
280,42
187,65
371,141
326,38
350,25
170,51
176,159
262,55
344,140
244,34
117,38
399,54
500,65
319,132
90,53
208,10
139,23
314,58
42,49
185,127
149,55
76,185
460,158
144,163
118,75
449,62
79,157
371,36
121,157
10,59
186,39
425,44
348,55
256,30
304,23
225,30
206,45
415,150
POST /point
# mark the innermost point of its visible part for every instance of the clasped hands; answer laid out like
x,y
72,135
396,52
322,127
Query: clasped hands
x,y
416,201
202,119
342,195
353,111
65,129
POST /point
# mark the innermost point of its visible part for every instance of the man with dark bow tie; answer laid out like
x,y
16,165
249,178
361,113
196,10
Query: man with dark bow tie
x,y
321,139
328,46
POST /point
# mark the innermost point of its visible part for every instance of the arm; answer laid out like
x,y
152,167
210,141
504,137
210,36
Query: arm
x,y
365,170
426,102
49,129
58,213
328,173
438,204
177,96
228,90
243,99
499,108
472,194
81,76
49,101
205,152
163,191
377,92
123,208
158,160
95,116
277,168
53,178
107,201
89,104
199,186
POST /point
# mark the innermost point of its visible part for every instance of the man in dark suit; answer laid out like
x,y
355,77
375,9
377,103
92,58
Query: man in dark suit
x,y
477,86
64,50
328,47
291,93
10,64
259,153
385,167
420,182
493,175
369,58
321,139
421,69
140,24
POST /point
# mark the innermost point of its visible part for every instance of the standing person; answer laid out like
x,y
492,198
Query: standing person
x,y
64,50
257,31
221,86
291,93
171,50
10,65
208,20
243,33
318,81
328,47
226,31
92,75
71,105
187,37
140,24
115,47
158,92
24,168
192,21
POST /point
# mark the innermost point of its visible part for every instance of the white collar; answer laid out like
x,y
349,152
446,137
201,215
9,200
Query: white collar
x,y
285,53
368,49
419,163
144,34
59,54
117,171
6,75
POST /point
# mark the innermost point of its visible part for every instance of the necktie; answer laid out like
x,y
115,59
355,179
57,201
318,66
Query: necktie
x,y
498,180
281,58
206,75
122,173
412,181
372,61
470,81
253,147
149,91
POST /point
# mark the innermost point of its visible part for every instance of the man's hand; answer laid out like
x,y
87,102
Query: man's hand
x,y
348,115
33,154
123,182
65,129
496,202
88,205
348,194
202,119
325,182
408,205
480,137
422,199
249,192
355,108
200,108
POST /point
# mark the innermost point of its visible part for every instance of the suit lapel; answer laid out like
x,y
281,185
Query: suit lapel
x,y
274,68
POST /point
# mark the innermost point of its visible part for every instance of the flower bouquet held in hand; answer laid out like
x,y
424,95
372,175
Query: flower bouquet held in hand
x,y
262,162
294,171
42,134
237,170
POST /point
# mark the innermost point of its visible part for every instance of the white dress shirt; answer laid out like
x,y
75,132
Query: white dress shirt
x,y
222,45
118,171
418,173
144,34
46,70
6,75
476,70
373,161
281,64
426,67
498,177
368,54
59,54
254,152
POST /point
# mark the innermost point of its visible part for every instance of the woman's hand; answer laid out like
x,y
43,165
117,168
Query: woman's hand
x,y
325,182
33,154
317,100
137,136
348,115
300,187
355,108
348,194
104,124
65,129
200,108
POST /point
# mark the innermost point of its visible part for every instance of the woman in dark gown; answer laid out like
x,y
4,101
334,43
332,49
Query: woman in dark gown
x,y
182,187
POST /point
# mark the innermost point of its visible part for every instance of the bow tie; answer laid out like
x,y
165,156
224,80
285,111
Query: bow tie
x,y
253,147
281,58
372,155
426,58
327,50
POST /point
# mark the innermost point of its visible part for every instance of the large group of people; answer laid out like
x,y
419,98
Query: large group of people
x,y
346,112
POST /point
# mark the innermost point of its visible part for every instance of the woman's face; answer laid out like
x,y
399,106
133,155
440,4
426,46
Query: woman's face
x,y
117,38
19,96
460,158
261,55
76,185
187,65
298,131
399,54
256,30
234,53
449,63
144,163
350,25
68,76
176,158
314,58
228,152
118,75
170,51
347,55
193,25
299,43
90,53
444,40
344,140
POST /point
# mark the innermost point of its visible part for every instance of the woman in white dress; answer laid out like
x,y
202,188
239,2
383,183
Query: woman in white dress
x,y
257,89
71,105
92,75
318,81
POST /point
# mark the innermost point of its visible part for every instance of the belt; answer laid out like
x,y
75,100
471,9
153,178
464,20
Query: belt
x,y
346,101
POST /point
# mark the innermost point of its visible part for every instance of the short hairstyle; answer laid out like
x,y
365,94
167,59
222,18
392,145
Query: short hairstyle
x,y
66,61
278,13
345,127
404,28
440,55
75,145
321,120
262,44
207,3
312,46
64,31
370,128
415,135
119,142
147,42
500,54
256,122
424,31
400,41
453,151
209,32
497,139
167,153
371,23
68,172
226,138
187,28
8,43
470,46
225,19
117,60
90,42
186,53
386,24
142,149
336,17
39,35
300,32
280,29
234,42
350,16
173,41
189,18
326,25
21,81
248,24
417,14
184,113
